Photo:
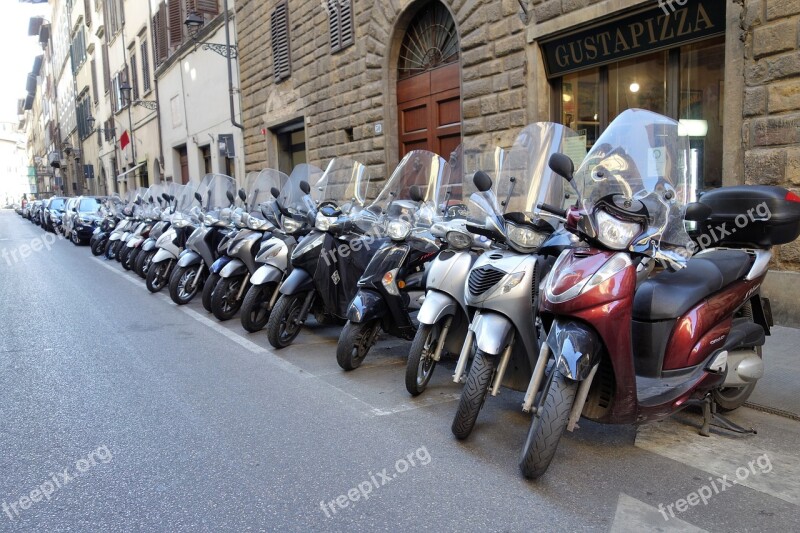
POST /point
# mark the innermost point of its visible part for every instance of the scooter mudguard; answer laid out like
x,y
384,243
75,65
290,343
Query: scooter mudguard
x,y
149,244
219,264
576,348
436,306
266,274
493,332
235,268
298,281
135,242
115,237
366,306
189,258
162,255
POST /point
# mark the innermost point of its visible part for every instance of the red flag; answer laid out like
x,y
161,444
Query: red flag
x,y
124,140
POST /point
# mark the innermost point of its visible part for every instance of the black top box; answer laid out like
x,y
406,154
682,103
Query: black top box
x,y
749,216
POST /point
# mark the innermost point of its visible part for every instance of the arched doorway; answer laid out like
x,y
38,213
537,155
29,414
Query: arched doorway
x,y
429,83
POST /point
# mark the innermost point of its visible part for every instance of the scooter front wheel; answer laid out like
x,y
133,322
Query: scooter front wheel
x,y
225,302
255,308
355,342
183,285
422,358
474,394
142,265
548,426
284,322
157,276
99,246
208,290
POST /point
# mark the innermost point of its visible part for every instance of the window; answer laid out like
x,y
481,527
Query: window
x,y
205,153
160,35
291,141
114,17
77,50
145,67
106,70
119,101
279,26
83,109
176,17
134,79
340,15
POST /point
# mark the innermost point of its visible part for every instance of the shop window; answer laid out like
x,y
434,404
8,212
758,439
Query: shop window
x,y
638,83
291,141
580,102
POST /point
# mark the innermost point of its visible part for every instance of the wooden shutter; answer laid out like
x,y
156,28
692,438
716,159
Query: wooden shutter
x,y
87,12
134,78
175,23
145,55
207,7
160,35
95,91
279,25
106,70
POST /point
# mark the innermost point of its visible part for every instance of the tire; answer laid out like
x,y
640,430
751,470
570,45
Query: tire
x,y
474,394
182,277
109,251
74,238
158,276
99,246
355,342
421,362
283,326
142,264
224,304
131,258
548,426
208,290
255,307
122,255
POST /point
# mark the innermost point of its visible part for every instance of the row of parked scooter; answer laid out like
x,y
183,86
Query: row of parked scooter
x,y
585,290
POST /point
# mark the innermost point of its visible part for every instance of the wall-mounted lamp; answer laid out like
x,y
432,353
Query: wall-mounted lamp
x,y
194,21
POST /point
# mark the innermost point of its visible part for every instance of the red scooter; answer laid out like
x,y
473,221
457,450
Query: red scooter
x,y
640,325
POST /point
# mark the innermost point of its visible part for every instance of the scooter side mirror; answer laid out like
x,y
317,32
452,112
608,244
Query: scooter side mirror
x,y
275,192
229,194
165,196
242,195
562,165
305,187
198,198
482,181
416,193
697,212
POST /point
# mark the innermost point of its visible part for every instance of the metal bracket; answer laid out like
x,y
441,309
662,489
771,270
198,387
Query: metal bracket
x,y
224,50
148,104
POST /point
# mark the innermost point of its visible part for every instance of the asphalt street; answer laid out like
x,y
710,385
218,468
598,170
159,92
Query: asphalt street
x,y
120,411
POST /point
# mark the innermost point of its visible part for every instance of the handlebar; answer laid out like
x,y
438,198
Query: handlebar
x,y
552,210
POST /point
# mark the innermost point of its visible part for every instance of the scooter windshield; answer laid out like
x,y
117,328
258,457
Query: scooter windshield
x,y
292,198
216,191
525,179
463,199
259,189
154,200
637,171
410,193
344,183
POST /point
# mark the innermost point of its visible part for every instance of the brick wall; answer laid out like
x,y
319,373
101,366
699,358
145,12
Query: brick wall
x,y
350,90
771,127
548,9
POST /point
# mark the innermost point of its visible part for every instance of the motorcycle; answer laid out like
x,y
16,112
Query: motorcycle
x,y
122,230
326,263
258,221
295,208
394,279
151,214
211,191
629,342
113,214
141,265
502,287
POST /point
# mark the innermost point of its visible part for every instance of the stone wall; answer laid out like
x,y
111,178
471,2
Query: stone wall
x,y
344,95
548,9
771,127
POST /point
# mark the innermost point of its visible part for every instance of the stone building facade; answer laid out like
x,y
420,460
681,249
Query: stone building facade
x,y
729,70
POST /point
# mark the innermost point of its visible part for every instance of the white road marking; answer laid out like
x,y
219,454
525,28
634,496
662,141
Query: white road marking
x,y
634,516
427,401
722,455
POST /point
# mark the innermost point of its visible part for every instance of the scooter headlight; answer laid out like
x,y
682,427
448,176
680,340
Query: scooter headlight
x,y
209,220
615,233
291,225
398,230
524,239
458,240
255,223
180,223
324,223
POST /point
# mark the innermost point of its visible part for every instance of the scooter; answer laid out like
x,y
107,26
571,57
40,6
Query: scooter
x,y
630,344
99,238
143,260
273,257
503,286
394,281
326,263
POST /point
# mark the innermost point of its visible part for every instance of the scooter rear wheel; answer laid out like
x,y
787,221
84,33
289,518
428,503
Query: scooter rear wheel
x,y
355,343
547,426
474,394
421,358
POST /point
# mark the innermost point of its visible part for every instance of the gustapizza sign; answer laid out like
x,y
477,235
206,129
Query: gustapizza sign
x,y
643,32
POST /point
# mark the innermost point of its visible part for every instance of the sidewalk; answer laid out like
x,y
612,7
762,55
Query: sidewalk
x,y
779,389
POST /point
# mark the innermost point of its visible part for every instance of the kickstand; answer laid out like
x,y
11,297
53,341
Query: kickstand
x,y
710,415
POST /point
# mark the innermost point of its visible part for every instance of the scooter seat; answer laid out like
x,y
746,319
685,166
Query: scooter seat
x,y
669,295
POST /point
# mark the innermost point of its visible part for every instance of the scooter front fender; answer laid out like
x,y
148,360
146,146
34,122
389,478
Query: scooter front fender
x,y
236,267
576,348
189,258
493,332
436,306
163,255
266,274
366,306
149,244
219,264
299,281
